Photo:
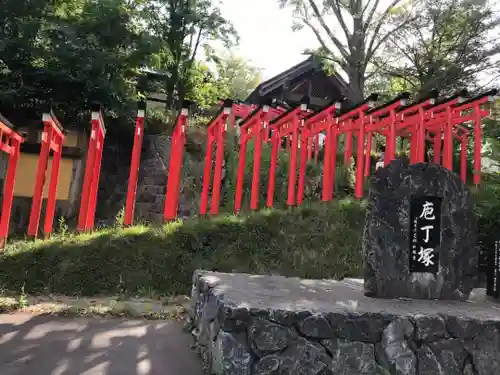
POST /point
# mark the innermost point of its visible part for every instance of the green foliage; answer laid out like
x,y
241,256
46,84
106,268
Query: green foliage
x,y
80,51
204,88
72,52
63,228
232,77
119,218
159,121
345,178
186,26
236,77
311,186
488,210
318,241
22,300
448,46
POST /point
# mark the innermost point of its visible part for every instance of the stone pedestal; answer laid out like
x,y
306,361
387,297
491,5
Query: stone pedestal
x,y
390,229
269,325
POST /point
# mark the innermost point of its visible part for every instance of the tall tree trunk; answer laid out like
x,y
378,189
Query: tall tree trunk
x,y
356,85
356,45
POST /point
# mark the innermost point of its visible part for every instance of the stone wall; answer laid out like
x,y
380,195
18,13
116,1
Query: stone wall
x,y
113,180
153,179
270,325
152,182
21,209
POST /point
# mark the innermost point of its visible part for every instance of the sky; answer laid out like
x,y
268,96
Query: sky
x,y
266,36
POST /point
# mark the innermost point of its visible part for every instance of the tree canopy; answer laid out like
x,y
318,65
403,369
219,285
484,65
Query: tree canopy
x,y
452,44
350,34
71,52
74,52
416,46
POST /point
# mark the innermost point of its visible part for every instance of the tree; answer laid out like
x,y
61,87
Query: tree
x,y
202,86
452,44
236,76
186,26
362,27
72,52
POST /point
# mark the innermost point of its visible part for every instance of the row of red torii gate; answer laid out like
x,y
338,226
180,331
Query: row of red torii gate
x,y
439,122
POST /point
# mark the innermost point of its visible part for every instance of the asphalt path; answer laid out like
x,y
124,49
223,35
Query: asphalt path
x,y
48,345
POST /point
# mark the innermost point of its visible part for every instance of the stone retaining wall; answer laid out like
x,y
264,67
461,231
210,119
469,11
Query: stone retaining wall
x,y
271,325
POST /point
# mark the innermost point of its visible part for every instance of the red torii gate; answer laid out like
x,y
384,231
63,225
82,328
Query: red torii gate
x,y
52,140
395,118
252,127
216,133
92,171
333,123
315,124
456,114
421,119
285,125
175,166
10,143
135,162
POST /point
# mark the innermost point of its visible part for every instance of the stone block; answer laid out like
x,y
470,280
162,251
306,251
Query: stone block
x,y
154,179
269,325
152,189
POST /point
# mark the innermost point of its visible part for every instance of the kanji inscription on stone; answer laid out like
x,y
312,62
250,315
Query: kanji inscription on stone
x,y
425,233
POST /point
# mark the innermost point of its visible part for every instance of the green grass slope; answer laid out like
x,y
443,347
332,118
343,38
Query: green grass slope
x,y
317,241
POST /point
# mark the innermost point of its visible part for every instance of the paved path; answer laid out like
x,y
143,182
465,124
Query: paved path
x,y
45,345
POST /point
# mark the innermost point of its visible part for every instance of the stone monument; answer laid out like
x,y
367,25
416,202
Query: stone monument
x,y
420,234
419,243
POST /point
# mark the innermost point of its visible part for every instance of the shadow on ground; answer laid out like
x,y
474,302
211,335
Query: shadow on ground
x,y
45,345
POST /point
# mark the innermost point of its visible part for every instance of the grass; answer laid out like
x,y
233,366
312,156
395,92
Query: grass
x,y
316,241
103,307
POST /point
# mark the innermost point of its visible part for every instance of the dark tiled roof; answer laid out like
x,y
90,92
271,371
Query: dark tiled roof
x,y
294,75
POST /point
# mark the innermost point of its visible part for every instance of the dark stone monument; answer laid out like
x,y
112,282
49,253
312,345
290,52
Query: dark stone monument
x,y
420,234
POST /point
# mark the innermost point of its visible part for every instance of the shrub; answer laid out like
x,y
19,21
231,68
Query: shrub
x,y
488,212
344,180
316,241
159,121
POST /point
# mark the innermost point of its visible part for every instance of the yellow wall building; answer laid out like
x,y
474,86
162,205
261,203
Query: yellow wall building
x,y
70,174
27,168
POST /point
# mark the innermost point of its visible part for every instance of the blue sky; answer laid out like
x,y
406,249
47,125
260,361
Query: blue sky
x,y
267,39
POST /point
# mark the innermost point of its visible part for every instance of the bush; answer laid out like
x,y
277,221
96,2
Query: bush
x,y
344,180
488,212
159,121
317,241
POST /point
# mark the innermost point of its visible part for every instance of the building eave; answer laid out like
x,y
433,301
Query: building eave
x,y
289,74
292,73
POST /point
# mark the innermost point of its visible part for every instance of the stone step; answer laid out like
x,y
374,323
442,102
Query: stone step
x,y
152,189
154,180
151,198
152,162
144,209
153,168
